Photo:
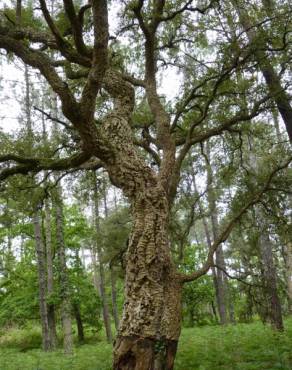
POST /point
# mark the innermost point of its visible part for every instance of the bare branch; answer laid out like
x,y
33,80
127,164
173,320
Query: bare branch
x,y
187,7
241,280
54,119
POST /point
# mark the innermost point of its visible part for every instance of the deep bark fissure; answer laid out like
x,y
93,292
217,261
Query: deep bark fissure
x,y
151,322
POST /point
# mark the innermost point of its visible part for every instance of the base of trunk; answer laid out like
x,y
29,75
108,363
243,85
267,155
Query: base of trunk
x,y
138,353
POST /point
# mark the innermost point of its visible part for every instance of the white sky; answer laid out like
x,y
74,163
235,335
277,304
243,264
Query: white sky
x,y
9,107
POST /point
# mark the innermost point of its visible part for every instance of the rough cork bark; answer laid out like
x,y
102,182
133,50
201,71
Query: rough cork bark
x,y
150,323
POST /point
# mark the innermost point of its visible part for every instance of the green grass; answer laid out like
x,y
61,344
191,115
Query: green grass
x,y
239,347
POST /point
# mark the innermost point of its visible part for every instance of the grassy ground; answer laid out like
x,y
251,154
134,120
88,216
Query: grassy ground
x,y
240,347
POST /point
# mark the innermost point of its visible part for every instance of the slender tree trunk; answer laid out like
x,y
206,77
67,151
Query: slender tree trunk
x,y
63,278
274,310
214,311
50,277
287,250
79,323
94,269
112,270
47,342
220,262
249,305
221,283
101,285
288,265
214,274
271,77
114,298
270,282
49,252
219,278
41,264
18,12
231,317
9,254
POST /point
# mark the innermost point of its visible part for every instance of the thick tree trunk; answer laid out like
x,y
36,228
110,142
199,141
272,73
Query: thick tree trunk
x,y
274,310
50,277
63,279
102,293
41,264
151,320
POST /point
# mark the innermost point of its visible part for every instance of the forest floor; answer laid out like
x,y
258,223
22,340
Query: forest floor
x,y
235,347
